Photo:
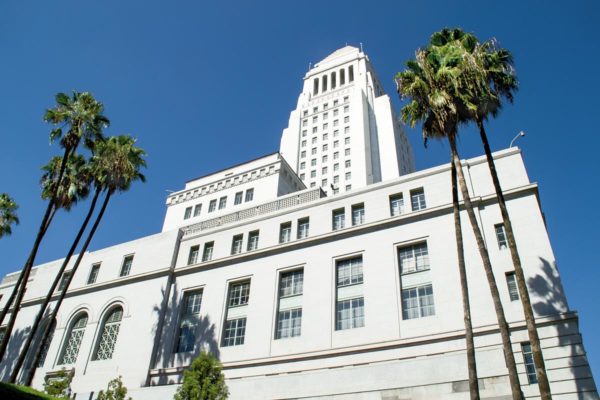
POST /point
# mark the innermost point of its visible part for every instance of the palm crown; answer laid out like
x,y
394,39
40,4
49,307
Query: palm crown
x,y
8,215
116,163
74,184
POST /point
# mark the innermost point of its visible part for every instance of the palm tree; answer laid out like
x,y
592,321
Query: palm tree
x,y
8,215
115,165
488,78
75,119
73,187
430,82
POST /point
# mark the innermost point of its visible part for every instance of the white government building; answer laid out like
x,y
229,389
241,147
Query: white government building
x,y
327,270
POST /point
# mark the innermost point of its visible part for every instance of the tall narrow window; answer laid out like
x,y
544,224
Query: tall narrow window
x,y
338,219
417,199
109,335
285,232
46,345
333,82
396,204
126,267
63,281
235,323
501,236
315,86
193,256
222,202
212,206
342,76
207,253
417,302
289,317
249,195
186,335
350,301
413,258
511,282
324,83
303,225
236,244
351,73
73,340
528,361
197,209
188,213
93,276
252,241
358,214
238,198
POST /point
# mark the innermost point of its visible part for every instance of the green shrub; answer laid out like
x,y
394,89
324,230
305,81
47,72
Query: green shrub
x,y
59,385
115,391
203,380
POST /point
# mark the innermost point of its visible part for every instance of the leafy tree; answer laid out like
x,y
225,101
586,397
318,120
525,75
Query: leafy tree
x,y
114,391
8,215
77,118
203,380
59,386
115,165
432,83
488,78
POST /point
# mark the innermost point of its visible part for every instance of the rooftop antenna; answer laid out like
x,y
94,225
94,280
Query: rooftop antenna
x,y
310,65
361,49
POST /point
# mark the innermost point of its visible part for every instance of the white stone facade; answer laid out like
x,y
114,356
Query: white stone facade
x,y
303,294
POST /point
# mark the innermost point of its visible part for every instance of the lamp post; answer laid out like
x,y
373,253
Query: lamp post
x,y
520,134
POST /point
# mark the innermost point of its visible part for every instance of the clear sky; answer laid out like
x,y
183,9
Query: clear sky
x,y
204,85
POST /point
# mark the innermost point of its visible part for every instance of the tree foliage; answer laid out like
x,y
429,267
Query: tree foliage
x,y
114,391
59,386
8,215
203,380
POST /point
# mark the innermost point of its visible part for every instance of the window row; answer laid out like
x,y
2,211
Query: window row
x,y
238,198
330,81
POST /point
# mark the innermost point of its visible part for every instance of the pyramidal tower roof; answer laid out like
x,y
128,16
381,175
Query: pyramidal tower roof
x,y
338,57
344,51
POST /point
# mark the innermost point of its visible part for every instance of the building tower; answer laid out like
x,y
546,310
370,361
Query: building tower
x,y
344,133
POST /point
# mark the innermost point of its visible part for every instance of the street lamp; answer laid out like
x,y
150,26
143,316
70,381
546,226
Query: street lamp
x,y
520,134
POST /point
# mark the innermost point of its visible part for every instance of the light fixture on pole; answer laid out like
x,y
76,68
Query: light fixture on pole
x,y
520,134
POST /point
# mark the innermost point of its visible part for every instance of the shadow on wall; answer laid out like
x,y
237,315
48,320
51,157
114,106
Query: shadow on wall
x,y
166,356
17,339
549,298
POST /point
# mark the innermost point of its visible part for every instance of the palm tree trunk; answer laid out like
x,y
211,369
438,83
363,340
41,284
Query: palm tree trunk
x,y
38,353
487,266
536,348
57,279
471,361
20,289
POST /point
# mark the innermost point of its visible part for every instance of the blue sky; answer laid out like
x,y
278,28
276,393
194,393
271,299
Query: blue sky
x,y
204,85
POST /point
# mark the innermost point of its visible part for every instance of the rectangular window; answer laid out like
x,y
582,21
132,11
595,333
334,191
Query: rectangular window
x,y
207,253
302,176
313,162
193,256
336,179
346,119
336,122
325,115
325,136
348,176
347,129
396,204
336,144
324,159
239,294
346,109
94,271
304,122
336,155
313,141
313,174
358,214
285,232
349,272
63,281
348,163
347,140
324,171
417,302
325,147
212,206
303,225
314,129
513,290
235,331
236,244
238,198
197,209
126,267
528,361
249,195
347,152
338,219
222,202
314,120
313,151
348,188
252,241
325,126
302,165
303,154
350,314
417,199
304,133
350,74
336,112
349,304
501,236
413,258
291,283
186,336
289,323
188,213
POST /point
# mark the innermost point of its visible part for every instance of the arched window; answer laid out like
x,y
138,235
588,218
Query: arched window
x,y
315,86
109,334
342,76
73,341
324,83
333,80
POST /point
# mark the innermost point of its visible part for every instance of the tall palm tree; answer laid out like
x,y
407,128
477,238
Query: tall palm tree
x,y
8,214
488,77
73,187
115,165
77,118
430,83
